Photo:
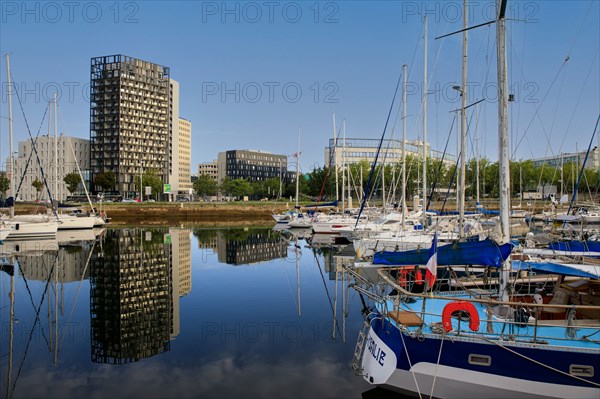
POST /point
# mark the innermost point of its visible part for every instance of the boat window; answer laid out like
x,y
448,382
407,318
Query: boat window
x,y
480,360
581,371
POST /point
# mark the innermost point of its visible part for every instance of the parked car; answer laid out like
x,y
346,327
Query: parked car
x,y
128,200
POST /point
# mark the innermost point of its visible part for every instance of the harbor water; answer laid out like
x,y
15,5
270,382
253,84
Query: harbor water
x,y
177,312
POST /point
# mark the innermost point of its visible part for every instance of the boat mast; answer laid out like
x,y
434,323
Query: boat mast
x,y
298,168
55,154
10,136
463,128
343,166
477,157
347,167
425,124
504,155
404,146
335,161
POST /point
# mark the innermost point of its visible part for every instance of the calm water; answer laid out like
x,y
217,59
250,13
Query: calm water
x,y
178,313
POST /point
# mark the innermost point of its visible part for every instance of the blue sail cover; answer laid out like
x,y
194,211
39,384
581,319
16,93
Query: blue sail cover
x,y
322,205
551,268
484,253
575,245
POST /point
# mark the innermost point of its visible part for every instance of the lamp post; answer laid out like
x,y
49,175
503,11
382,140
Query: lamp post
x,y
141,185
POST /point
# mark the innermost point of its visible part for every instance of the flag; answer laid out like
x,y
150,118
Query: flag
x,y
431,273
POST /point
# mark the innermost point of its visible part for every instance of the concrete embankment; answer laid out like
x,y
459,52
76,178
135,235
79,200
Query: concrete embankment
x,y
169,214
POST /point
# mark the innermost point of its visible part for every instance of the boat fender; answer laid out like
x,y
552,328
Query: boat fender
x,y
456,306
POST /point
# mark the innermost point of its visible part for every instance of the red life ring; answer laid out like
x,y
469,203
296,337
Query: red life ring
x,y
464,306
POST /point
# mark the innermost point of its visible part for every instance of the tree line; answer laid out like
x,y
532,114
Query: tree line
x,y
525,176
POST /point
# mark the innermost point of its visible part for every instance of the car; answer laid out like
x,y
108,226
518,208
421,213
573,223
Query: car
x,y
150,200
183,200
128,200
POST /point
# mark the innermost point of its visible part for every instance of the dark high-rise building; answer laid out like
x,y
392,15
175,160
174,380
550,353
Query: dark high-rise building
x,y
130,119
252,165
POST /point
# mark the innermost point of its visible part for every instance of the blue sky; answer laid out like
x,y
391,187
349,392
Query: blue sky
x,y
252,73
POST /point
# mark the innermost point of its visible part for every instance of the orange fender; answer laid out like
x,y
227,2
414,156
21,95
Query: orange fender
x,y
464,306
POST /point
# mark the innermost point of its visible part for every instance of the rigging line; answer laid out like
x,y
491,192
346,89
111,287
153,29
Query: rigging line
x,y
583,87
585,16
362,205
36,154
539,363
583,166
326,290
31,152
34,324
331,155
441,164
79,286
32,304
558,98
437,366
537,106
289,283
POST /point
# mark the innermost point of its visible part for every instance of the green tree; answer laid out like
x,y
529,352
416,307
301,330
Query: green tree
x,y
205,185
150,178
314,182
106,180
72,181
4,184
38,185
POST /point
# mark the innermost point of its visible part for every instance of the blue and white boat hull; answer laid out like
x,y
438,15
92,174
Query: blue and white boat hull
x,y
463,367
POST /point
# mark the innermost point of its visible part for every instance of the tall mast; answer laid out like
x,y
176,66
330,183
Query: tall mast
x,y
463,128
10,134
425,124
55,155
347,166
504,156
403,195
298,168
477,156
335,161
343,166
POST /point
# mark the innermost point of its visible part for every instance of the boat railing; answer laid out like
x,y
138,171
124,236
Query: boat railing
x,y
520,319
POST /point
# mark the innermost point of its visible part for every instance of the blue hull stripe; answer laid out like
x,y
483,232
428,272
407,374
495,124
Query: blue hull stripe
x,y
503,362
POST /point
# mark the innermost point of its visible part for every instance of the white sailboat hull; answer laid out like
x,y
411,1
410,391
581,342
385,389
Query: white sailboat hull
x,y
452,382
31,230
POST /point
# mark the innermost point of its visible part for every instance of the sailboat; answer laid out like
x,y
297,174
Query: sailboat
x,y
21,229
528,342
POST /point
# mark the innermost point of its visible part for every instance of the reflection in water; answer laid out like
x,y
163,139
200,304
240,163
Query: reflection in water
x,y
243,246
242,333
135,285
131,309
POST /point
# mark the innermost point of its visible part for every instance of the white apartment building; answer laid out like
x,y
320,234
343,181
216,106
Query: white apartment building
x,y
57,160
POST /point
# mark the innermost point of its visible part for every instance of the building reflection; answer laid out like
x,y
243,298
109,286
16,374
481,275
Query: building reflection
x,y
181,263
71,264
131,296
243,246
247,246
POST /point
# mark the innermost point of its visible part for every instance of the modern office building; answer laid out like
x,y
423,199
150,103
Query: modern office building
x,y
251,165
593,160
185,156
209,169
354,150
134,109
57,160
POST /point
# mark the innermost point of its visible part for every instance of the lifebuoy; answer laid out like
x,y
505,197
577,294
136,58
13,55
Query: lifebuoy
x,y
464,306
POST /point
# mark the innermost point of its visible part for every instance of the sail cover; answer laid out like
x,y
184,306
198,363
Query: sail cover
x,y
484,253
